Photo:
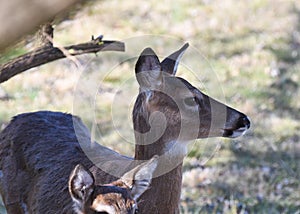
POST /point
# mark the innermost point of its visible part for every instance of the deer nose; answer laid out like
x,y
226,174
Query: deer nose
x,y
246,122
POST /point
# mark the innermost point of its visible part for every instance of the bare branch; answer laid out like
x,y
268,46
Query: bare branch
x,y
47,54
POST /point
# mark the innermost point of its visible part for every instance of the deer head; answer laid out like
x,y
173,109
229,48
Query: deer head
x,y
118,197
169,108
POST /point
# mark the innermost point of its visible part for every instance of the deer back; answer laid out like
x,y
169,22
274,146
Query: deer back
x,y
38,152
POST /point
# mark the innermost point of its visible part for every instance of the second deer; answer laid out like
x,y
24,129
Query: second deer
x,y
38,152
118,197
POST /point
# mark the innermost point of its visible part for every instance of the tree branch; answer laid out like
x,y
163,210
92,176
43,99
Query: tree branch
x,y
47,54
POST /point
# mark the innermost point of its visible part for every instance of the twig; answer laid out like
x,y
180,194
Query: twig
x,y
47,54
46,34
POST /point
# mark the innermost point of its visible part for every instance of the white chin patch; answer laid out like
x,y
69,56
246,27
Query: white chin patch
x,y
239,132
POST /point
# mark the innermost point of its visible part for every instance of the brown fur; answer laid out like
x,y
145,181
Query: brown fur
x,y
186,111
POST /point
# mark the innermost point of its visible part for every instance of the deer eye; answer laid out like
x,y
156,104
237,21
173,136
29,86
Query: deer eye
x,y
190,101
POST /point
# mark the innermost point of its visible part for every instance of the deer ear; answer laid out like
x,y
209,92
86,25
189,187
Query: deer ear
x,y
148,71
170,63
139,179
81,184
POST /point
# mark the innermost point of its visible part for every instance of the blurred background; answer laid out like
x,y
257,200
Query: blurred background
x,y
244,53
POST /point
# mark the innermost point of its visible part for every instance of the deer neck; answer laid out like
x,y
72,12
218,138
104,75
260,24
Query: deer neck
x,y
156,136
164,194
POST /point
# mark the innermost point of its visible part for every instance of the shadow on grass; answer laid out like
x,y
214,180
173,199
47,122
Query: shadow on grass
x,y
276,172
289,161
261,206
265,180
269,179
284,86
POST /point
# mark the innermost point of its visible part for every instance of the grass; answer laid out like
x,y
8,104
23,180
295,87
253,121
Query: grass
x,y
12,53
245,53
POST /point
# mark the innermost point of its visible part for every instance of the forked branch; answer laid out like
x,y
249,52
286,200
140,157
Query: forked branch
x,y
47,54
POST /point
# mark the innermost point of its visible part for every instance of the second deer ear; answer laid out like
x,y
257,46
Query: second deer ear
x,y
81,184
148,71
170,63
139,179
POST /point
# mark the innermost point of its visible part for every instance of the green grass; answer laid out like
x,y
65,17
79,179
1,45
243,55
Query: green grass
x,y
12,53
244,53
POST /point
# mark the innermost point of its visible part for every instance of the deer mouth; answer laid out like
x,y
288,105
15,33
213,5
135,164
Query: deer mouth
x,y
233,133
236,132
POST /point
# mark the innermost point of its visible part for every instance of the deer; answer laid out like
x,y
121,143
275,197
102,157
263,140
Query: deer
x,y
169,112
44,169
119,196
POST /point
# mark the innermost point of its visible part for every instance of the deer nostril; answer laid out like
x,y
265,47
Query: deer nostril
x,y
246,122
